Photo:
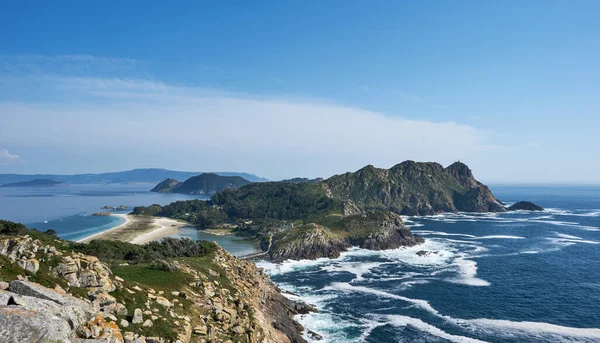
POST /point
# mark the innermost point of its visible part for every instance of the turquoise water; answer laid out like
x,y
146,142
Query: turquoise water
x,y
512,277
68,209
235,245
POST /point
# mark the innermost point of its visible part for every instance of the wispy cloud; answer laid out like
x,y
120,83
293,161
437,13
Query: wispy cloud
x,y
7,158
211,129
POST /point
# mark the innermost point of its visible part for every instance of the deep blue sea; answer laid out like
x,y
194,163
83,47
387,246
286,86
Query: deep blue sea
x,y
69,210
513,277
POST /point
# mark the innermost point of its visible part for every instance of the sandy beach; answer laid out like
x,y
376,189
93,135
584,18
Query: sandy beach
x,y
138,229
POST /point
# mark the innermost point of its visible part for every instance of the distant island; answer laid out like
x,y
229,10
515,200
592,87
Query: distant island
x,y
36,183
203,184
306,219
146,175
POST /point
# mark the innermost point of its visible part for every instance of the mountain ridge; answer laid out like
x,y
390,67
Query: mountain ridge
x,y
414,188
203,184
146,175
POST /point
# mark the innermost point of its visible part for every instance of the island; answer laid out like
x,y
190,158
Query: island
x,y
203,184
36,183
304,220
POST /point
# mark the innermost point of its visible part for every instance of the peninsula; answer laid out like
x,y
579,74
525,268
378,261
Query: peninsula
x,y
36,183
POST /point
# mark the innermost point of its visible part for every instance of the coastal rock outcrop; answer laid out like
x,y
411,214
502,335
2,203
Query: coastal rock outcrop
x,y
373,230
219,298
85,271
30,312
378,230
525,206
310,241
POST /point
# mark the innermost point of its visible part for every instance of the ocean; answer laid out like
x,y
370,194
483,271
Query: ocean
x,y
69,209
511,277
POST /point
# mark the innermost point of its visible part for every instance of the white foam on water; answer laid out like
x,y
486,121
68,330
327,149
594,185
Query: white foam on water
x,y
568,224
561,212
567,242
562,235
467,272
408,284
499,237
535,329
441,233
402,321
290,265
356,268
325,324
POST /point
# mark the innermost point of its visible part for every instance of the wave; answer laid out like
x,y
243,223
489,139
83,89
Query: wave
x,y
398,320
441,233
467,271
356,268
535,329
499,237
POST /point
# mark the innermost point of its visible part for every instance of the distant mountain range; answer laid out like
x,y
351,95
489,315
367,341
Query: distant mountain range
x,y
35,183
207,184
150,175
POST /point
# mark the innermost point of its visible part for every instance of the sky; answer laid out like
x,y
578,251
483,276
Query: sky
x,y
302,88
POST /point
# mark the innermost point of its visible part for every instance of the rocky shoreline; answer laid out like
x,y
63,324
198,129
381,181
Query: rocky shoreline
x,y
373,230
78,298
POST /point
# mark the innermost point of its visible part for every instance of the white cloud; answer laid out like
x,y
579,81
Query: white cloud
x,y
7,158
200,129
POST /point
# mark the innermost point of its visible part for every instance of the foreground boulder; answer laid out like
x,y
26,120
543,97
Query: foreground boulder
x,y
30,312
85,271
525,206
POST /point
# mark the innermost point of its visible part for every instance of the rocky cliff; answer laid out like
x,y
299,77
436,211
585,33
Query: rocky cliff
x,y
373,230
203,184
51,294
413,188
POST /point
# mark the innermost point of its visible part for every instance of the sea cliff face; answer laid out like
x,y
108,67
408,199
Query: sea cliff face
x,y
373,230
413,188
51,294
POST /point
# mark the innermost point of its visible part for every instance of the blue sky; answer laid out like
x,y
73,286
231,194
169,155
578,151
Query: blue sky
x,y
303,88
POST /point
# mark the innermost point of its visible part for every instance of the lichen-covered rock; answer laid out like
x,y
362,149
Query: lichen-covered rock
x,y
30,312
85,271
138,317
99,329
22,249
31,265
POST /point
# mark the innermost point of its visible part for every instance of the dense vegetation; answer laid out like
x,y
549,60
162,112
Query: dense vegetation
x,y
207,183
152,251
14,229
265,202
